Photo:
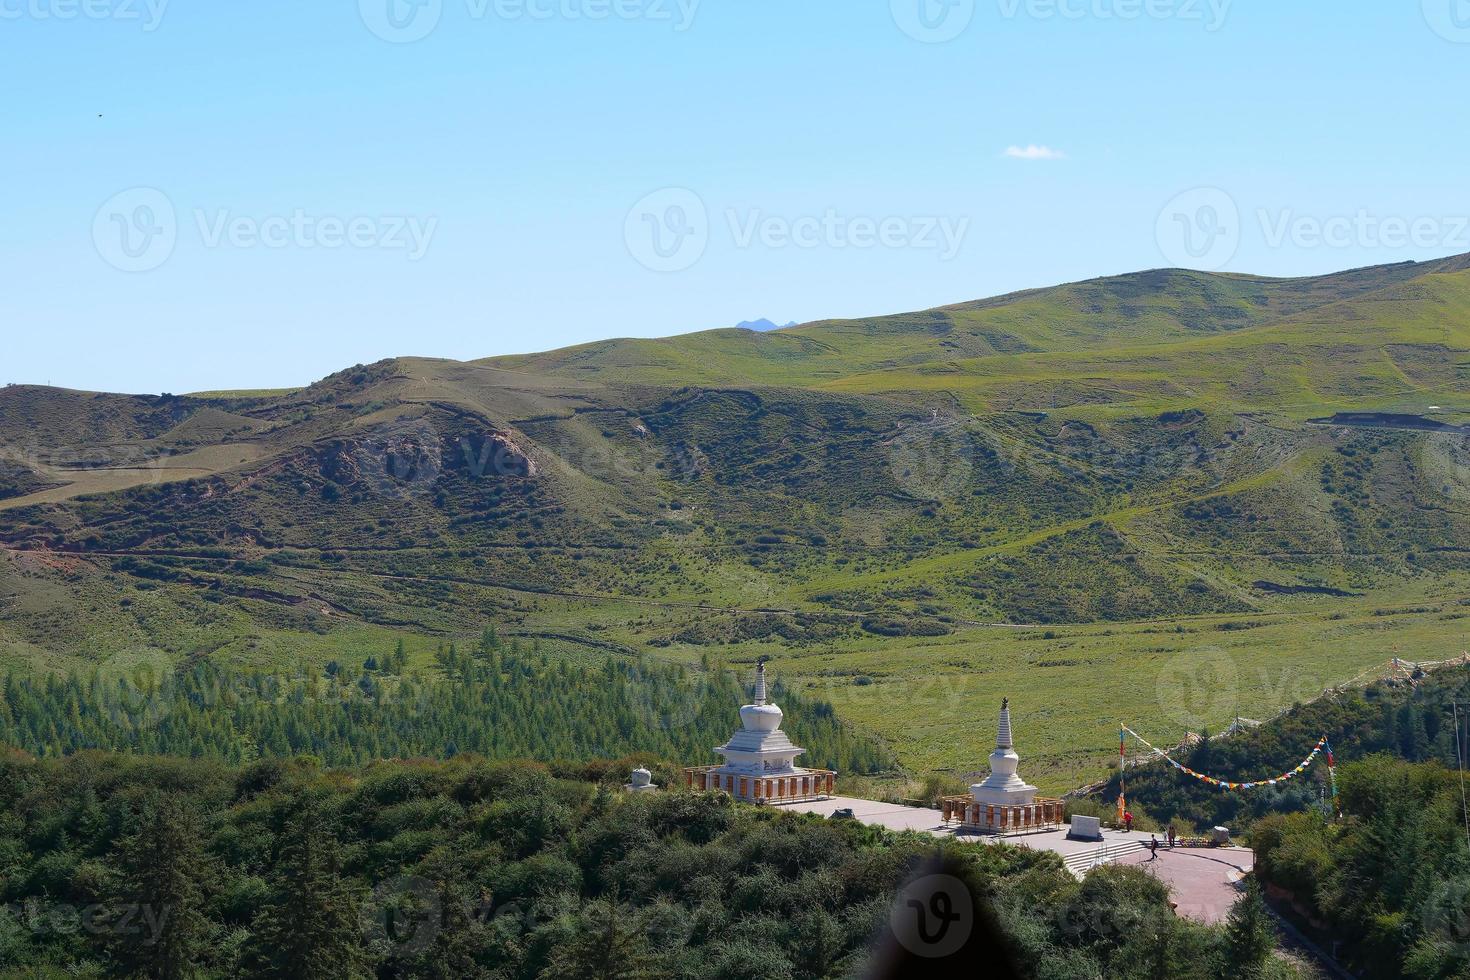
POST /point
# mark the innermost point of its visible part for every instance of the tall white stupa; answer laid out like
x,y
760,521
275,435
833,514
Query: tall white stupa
x,y
760,748
1004,787
1004,803
760,760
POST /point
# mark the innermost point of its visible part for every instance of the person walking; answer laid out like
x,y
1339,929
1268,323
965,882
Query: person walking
x,y
1171,837
1128,821
1153,847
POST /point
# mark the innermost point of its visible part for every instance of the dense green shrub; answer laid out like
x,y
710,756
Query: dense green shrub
x,y
111,865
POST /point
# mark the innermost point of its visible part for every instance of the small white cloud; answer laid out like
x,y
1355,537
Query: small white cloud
x,y
1034,152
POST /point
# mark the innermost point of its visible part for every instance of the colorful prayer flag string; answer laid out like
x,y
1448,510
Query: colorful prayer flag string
x,y
1227,786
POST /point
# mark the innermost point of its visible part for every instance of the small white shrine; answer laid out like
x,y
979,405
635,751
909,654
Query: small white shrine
x,y
641,782
1003,803
760,760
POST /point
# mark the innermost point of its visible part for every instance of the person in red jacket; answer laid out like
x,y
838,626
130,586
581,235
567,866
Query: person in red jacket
x,y
1128,821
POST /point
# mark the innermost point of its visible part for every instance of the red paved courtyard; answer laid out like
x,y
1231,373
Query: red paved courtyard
x,y
1204,882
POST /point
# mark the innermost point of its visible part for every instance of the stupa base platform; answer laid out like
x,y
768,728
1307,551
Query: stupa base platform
x,y
808,784
1002,820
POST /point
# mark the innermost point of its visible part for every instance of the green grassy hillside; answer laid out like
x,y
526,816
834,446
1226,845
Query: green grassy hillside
x,y
1060,495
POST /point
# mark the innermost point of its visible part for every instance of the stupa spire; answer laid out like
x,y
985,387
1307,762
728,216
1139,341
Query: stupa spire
x,y
1003,737
760,682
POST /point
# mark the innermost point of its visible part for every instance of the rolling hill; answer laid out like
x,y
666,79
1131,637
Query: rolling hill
x,y
1071,493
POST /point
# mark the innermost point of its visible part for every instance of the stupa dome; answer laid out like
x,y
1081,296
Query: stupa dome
x,y
761,717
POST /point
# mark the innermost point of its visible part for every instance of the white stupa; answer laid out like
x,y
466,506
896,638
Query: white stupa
x,y
760,760
1003,787
760,748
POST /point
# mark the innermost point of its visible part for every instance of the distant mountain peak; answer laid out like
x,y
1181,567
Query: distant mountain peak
x,y
762,325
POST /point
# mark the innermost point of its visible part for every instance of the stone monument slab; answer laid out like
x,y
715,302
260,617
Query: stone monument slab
x,y
1085,828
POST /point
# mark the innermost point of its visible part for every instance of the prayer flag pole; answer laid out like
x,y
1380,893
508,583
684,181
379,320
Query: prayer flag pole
x,y
1122,773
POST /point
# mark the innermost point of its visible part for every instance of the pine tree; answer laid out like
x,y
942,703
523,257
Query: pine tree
x,y
606,946
160,928
1250,935
310,929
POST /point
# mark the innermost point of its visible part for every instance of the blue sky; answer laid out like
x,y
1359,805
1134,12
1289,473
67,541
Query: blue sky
x,y
207,195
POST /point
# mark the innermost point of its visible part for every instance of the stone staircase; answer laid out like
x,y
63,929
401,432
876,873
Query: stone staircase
x,y
1081,863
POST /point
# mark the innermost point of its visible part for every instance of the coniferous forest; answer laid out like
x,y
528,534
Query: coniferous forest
x,y
495,700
